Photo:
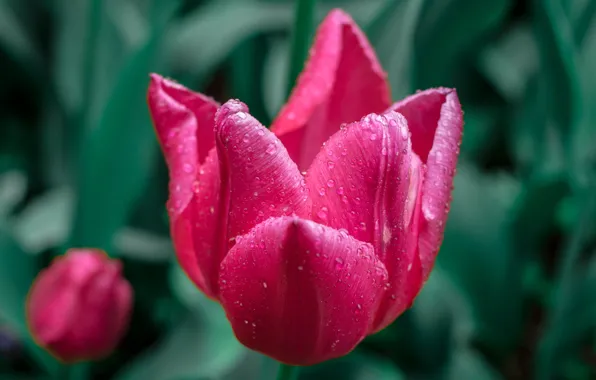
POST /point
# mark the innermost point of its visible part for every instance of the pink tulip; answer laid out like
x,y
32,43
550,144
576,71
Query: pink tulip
x,y
307,264
79,307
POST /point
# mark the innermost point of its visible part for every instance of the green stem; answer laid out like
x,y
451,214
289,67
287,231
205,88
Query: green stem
x,y
301,38
287,372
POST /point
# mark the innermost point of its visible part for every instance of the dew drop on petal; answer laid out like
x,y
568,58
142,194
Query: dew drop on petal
x,y
330,183
271,149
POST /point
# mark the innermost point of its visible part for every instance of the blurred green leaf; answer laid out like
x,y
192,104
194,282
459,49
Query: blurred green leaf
x,y
468,364
13,185
356,366
535,211
573,312
478,256
117,154
17,270
201,40
558,67
46,221
143,245
447,28
277,64
392,34
510,62
302,35
201,346
15,39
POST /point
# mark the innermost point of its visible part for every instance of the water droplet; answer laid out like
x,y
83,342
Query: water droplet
x,y
340,190
330,183
264,285
344,199
256,194
322,191
357,200
339,262
212,210
187,168
373,136
300,267
323,212
359,306
245,138
404,133
196,186
271,148
261,132
344,152
241,115
393,297
363,226
330,164
384,151
246,321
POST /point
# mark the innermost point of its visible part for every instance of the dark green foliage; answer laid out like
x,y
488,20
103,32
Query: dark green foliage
x,y
513,293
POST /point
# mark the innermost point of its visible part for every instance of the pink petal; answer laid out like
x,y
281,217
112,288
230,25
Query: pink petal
x,y
367,180
259,180
184,123
301,292
342,81
435,119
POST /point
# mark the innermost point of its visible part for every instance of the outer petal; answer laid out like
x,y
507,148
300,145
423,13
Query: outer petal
x,y
184,123
435,119
341,82
258,178
367,180
301,292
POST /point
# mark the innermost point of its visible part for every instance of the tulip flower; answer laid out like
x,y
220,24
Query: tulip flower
x,y
79,307
322,229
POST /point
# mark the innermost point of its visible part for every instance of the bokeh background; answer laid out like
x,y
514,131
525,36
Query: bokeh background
x,y
513,295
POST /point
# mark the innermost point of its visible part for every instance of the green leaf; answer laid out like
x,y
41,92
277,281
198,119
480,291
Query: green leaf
x,y
13,185
558,67
392,34
277,64
142,245
46,221
468,364
511,61
447,29
191,45
478,256
355,366
534,214
201,346
302,35
15,39
17,271
573,314
118,154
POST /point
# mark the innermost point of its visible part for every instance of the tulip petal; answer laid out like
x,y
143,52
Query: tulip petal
x,y
184,123
435,120
341,82
258,178
366,179
299,291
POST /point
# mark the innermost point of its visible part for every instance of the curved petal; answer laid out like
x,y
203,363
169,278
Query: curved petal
x,y
342,81
174,106
301,292
435,119
258,178
184,123
367,180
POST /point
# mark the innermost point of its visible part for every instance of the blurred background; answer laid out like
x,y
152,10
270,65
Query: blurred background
x,y
513,295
